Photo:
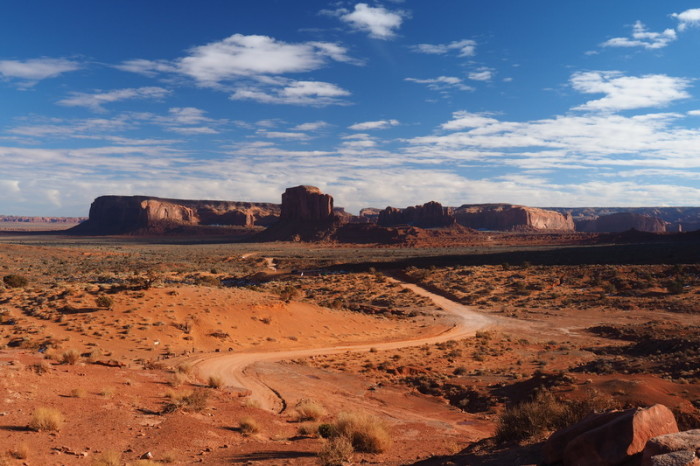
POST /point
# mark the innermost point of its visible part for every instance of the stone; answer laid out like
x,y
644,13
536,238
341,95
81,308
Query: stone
x,y
622,221
306,204
429,215
620,439
511,217
688,440
676,458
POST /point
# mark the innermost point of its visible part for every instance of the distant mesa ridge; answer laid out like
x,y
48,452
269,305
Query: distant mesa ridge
x,y
306,213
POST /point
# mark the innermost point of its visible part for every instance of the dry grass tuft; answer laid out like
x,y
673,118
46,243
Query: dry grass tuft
x,y
108,458
195,400
19,452
248,426
70,356
336,452
309,410
78,393
46,419
214,381
365,432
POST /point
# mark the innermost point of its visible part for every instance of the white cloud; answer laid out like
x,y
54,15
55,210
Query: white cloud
x,y
369,125
311,126
193,130
442,83
466,48
379,22
642,37
628,92
33,70
188,115
240,56
284,135
462,120
482,74
311,93
688,18
96,101
694,113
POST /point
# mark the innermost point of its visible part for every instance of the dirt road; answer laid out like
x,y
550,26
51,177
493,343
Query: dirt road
x,y
235,371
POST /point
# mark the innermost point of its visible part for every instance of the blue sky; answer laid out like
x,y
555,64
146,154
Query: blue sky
x,y
543,103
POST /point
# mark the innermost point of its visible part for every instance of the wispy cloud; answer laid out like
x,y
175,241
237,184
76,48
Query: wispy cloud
x,y
310,93
482,74
442,83
95,101
311,126
369,125
379,22
642,37
28,72
688,18
465,48
628,92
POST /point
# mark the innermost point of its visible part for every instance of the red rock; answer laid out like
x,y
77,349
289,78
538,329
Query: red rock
x,y
511,217
553,449
676,458
688,441
618,440
306,204
429,215
622,221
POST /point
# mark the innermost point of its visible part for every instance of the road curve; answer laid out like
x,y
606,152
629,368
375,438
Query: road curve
x,y
234,368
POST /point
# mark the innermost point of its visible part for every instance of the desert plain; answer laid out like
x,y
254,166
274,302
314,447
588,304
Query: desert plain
x,y
186,350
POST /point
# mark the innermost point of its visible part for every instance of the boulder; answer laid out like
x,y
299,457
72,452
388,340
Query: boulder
x,y
676,458
688,441
306,204
511,217
624,436
429,215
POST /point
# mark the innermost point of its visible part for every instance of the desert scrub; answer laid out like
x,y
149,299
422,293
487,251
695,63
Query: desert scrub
x,y
15,281
195,400
108,458
248,426
214,381
309,410
46,419
70,356
104,301
365,432
336,452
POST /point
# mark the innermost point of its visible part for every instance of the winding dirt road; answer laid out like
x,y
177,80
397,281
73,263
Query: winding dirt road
x,y
235,371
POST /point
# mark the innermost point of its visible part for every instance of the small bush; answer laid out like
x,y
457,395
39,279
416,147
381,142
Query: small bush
x,y
70,357
248,426
366,433
309,410
108,458
195,400
309,429
326,430
215,381
46,419
104,301
78,393
19,452
336,452
15,281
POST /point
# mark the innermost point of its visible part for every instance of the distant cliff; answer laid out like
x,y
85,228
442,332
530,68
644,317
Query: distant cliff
x,y
676,218
511,217
127,214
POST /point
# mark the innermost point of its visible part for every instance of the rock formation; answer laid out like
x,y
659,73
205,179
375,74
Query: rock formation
x,y
511,217
125,214
678,218
609,438
666,448
306,204
622,221
429,215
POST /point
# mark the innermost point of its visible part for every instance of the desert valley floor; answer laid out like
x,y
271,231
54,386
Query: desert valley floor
x,y
183,350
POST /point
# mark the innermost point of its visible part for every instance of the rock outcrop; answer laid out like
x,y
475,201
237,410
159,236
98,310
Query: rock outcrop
x,y
128,214
306,204
677,218
610,438
622,221
673,449
511,217
428,215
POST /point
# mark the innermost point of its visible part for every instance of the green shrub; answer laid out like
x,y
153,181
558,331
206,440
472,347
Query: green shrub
x,y
104,301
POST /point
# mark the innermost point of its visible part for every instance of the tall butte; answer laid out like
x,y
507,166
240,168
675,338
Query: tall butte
x,y
306,204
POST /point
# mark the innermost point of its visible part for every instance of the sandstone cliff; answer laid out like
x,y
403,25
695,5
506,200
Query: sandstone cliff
x,y
622,221
127,214
429,215
306,204
511,217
